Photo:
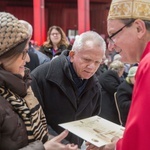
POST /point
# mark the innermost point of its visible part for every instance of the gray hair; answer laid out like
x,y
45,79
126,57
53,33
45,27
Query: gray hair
x,y
116,66
28,26
117,57
84,39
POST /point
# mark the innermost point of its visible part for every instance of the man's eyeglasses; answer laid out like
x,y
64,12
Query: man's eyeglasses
x,y
24,54
110,37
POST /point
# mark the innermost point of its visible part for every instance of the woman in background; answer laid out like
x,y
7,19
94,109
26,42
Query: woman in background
x,y
56,42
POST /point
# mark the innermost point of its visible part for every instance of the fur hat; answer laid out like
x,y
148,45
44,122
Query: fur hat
x,y
132,71
12,32
125,9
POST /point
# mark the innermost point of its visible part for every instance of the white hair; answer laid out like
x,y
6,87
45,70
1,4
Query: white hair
x,y
86,38
28,26
117,57
116,65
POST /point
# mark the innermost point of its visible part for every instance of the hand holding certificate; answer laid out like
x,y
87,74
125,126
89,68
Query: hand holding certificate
x,y
95,130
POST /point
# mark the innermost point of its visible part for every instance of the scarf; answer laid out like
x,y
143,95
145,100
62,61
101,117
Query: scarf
x,y
78,82
17,91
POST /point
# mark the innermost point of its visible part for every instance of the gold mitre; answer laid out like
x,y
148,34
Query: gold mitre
x,y
123,9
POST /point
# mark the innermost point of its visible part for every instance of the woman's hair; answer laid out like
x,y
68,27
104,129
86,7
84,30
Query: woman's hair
x,y
63,40
116,66
15,51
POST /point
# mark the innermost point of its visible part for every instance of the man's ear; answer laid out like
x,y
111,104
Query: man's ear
x,y
71,54
141,28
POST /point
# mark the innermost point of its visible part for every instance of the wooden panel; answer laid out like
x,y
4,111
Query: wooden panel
x,y
98,17
61,12
70,19
57,13
21,12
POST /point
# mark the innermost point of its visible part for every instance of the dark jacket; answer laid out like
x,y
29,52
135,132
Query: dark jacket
x,y
42,57
34,61
49,50
53,85
109,81
124,96
13,134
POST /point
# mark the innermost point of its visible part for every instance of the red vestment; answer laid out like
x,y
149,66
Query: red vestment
x,y
137,132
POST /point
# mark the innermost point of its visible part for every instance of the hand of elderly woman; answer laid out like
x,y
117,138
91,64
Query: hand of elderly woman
x,y
54,144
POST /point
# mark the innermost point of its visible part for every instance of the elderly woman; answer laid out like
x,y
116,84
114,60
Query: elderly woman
x,y
22,121
110,80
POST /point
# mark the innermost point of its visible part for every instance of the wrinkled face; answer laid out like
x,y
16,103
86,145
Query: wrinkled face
x,y
128,41
86,61
55,36
16,65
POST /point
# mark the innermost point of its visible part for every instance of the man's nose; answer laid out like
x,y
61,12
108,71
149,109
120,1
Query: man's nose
x,y
111,46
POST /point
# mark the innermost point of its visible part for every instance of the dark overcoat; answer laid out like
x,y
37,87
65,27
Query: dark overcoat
x,y
55,89
124,97
109,81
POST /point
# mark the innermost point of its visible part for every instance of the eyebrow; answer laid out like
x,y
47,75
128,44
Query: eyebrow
x,y
121,29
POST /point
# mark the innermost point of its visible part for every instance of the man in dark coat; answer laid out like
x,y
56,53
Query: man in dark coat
x,y
110,80
67,87
124,94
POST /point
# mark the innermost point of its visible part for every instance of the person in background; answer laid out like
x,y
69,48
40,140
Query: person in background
x,y
34,61
110,80
68,88
128,27
23,124
124,94
56,42
42,58
126,66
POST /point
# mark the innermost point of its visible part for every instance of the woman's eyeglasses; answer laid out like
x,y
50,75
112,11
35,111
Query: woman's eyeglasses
x,y
24,54
55,34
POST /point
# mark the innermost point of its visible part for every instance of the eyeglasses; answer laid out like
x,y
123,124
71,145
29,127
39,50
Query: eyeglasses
x,y
55,34
110,37
24,54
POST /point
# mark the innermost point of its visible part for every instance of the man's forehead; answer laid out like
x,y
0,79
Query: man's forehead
x,y
113,23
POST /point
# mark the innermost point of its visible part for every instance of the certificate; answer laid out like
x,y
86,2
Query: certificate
x,y
95,130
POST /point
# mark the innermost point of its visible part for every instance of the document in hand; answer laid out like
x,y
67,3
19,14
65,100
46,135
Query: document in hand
x,y
95,130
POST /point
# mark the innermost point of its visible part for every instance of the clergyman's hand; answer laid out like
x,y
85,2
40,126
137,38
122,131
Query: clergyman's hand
x,y
110,146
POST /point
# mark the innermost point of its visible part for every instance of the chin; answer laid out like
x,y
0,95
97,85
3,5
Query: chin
x,y
22,74
86,77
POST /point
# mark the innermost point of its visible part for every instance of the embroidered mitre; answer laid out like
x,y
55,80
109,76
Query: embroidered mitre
x,y
125,9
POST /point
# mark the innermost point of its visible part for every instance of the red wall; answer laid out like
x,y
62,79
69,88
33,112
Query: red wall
x,y
61,14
